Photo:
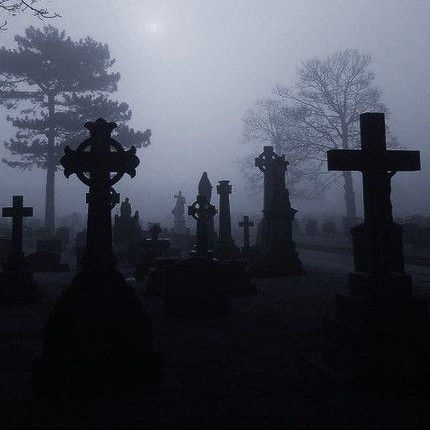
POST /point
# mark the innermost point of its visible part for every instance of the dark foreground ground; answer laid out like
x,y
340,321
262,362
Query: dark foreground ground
x,y
243,371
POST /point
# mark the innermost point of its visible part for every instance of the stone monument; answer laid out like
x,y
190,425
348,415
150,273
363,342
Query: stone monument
x,y
379,331
225,246
246,224
98,334
16,279
205,189
277,248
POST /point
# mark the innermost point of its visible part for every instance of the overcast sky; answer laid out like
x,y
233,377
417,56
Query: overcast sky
x,y
190,69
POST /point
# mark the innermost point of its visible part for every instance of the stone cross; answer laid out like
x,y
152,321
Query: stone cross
x,y
224,190
17,212
99,167
202,211
274,167
378,165
246,224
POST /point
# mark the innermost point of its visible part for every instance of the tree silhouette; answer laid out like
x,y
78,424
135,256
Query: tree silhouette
x,y
13,7
327,101
58,84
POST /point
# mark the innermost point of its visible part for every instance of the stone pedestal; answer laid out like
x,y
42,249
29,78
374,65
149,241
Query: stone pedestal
x,y
154,278
197,287
18,284
97,335
379,333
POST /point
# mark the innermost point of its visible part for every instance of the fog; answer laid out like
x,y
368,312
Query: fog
x,y
191,68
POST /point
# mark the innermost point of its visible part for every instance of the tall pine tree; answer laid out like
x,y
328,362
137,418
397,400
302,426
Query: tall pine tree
x,y
58,84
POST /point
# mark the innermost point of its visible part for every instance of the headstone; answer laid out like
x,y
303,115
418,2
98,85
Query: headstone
x,y
225,247
47,257
312,227
205,189
329,228
198,286
16,279
98,334
278,250
380,331
203,212
246,224
179,214
127,233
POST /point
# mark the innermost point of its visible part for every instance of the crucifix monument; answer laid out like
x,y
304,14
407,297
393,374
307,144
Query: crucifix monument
x,y
379,328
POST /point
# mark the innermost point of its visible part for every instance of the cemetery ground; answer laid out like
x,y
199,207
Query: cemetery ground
x,y
246,370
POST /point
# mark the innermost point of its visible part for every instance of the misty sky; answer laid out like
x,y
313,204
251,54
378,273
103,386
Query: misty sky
x,y
191,68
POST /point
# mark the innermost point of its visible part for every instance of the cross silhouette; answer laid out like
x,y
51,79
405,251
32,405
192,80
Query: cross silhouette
x,y
246,224
378,165
17,212
99,167
202,211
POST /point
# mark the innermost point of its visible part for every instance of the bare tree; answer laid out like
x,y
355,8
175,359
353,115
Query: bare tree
x,y
272,122
35,7
326,104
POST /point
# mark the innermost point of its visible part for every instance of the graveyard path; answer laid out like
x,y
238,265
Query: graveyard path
x,y
345,263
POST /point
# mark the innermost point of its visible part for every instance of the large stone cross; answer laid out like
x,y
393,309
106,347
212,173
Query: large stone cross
x,y
274,167
100,162
378,165
246,224
17,212
202,211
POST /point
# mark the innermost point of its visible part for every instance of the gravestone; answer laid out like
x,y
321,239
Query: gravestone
x,y
329,228
47,257
179,214
127,233
380,331
278,250
151,249
203,212
16,279
205,189
98,333
246,224
225,247
198,286
312,227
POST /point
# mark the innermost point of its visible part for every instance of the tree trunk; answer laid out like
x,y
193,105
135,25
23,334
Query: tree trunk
x,y
50,172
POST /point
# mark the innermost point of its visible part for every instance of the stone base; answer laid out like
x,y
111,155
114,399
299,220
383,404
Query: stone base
x,y
277,265
97,335
18,286
380,333
197,287
46,261
240,279
154,279
226,249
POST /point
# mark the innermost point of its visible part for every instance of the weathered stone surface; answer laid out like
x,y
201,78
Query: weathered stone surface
x,y
197,287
